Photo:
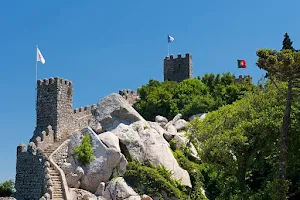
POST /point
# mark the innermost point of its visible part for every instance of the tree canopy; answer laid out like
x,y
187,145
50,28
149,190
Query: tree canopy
x,y
191,96
240,147
7,188
287,43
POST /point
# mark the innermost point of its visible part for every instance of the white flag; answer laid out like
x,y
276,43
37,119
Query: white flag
x,y
170,39
39,56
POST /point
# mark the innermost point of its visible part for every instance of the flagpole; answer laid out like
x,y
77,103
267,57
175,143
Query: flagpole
x,y
36,72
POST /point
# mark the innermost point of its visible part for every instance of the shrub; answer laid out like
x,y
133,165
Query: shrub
x,y
6,188
194,171
84,152
152,181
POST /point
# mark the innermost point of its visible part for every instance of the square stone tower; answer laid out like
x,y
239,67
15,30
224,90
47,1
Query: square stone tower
x,y
178,69
54,106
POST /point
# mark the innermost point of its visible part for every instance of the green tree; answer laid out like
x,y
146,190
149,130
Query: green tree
x,y
287,43
191,96
84,152
282,66
157,99
7,188
238,146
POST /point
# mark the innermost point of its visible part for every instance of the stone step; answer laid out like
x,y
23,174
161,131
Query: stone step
x,y
58,195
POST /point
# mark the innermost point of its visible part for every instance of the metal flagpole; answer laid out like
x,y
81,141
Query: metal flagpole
x,y
36,70
168,46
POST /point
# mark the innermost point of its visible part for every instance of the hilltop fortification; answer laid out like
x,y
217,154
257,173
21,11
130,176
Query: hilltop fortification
x,y
54,106
178,69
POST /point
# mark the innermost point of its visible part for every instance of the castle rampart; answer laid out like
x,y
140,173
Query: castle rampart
x,y
243,79
30,175
47,138
131,96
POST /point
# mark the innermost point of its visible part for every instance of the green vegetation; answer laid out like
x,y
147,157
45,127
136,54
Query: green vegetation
x,y
283,66
7,188
84,152
191,96
249,141
152,181
195,171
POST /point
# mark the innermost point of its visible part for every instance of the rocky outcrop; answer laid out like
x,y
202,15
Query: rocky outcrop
x,y
110,140
201,116
137,137
146,144
79,194
99,170
113,110
162,121
118,189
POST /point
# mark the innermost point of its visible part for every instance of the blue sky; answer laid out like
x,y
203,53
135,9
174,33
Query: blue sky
x,y
105,46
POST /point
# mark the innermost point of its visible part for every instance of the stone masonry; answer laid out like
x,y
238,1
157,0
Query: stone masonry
x,y
178,69
243,78
30,174
131,96
54,107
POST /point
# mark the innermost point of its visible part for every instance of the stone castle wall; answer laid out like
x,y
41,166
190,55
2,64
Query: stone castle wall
x,y
131,96
30,175
178,69
84,117
46,139
243,78
54,105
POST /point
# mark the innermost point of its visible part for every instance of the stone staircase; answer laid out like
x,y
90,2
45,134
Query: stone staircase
x,y
54,175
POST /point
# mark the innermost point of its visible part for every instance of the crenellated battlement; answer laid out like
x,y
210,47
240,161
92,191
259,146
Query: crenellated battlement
x,y
243,78
82,109
179,56
53,81
47,138
131,96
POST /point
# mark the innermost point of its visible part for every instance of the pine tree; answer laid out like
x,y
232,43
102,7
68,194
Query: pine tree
x,y
287,43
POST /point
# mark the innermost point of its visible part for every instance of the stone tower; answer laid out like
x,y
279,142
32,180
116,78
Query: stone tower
x,y
178,69
54,106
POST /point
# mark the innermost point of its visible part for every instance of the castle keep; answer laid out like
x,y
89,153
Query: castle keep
x,y
178,69
54,107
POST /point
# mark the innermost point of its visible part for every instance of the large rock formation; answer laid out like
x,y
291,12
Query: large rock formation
x,y
142,142
99,170
118,189
113,110
126,136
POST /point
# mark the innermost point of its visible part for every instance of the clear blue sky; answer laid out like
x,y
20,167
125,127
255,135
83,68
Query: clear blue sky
x,y
105,46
